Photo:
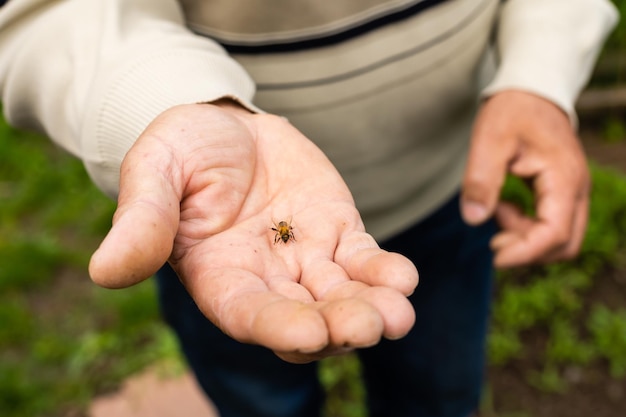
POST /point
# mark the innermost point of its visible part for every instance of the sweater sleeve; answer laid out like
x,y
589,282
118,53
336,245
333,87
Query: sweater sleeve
x,y
92,74
549,47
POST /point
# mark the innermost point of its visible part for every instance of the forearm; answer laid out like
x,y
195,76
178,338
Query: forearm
x,y
549,47
94,83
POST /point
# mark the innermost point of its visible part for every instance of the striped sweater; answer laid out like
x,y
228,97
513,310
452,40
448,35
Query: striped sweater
x,y
386,88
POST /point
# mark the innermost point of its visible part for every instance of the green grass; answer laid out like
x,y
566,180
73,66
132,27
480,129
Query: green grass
x,y
62,339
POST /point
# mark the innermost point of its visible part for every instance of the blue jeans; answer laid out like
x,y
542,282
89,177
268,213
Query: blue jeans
x,y
435,371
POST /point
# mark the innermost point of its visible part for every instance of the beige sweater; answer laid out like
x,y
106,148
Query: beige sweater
x,y
387,88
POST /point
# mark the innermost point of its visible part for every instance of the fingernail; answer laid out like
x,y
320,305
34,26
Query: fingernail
x,y
474,212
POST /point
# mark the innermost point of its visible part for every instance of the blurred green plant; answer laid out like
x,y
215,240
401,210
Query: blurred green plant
x,y
62,339
611,66
345,393
565,346
608,330
617,39
614,130
548,379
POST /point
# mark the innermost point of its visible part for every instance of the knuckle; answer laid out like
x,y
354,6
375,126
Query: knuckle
x,y
573,249
561,238
566,247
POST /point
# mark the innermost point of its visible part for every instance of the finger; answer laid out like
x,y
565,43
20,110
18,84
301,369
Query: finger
x,y
367,275
510,217
579,227
524,240
242,306
390,278
352,322
320,275
382,279
286,287
287,325
144,227
508,244
485,172
395,309
362,259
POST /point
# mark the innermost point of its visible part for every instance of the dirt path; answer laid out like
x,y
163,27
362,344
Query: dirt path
x,y
150,395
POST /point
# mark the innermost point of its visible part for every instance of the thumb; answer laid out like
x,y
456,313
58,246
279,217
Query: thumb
x,y
144,227
485,173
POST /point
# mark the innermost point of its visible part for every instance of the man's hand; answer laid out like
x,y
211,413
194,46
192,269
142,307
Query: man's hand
x,y
531,138
202,188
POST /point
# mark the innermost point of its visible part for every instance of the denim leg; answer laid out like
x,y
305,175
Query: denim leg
x,y
242,380
437,370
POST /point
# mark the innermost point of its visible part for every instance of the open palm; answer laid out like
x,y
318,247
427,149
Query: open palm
x,y
204,185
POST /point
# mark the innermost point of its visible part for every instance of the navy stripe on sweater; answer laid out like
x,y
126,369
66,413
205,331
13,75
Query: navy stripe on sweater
x,y
329,39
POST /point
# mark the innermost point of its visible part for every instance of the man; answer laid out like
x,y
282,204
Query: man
x,y
158,99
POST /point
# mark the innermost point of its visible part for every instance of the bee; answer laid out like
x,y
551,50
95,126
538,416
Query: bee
x,y
284,232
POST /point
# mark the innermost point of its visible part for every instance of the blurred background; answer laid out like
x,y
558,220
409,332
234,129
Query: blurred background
x,y
557,346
